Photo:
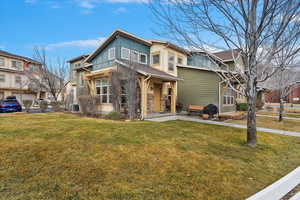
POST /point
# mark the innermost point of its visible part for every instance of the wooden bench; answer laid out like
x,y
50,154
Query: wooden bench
x,y
195,109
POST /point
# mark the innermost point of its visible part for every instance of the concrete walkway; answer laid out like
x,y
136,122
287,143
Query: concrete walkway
x,y
271,116
193,119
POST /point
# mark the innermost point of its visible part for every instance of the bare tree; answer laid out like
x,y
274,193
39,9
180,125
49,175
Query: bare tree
x,y
284,82
52,74
115,91
257,28
132,94
124,89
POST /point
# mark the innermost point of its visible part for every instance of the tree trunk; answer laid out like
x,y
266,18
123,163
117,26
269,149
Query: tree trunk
x,y
280,110
251,117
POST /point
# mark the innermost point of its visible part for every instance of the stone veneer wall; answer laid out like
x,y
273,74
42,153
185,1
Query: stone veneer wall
x,y
150,102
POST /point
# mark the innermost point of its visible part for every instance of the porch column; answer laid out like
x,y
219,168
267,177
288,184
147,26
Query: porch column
x,y
144,84
173,97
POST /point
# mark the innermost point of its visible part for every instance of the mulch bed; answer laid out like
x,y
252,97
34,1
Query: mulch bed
x,y
291,193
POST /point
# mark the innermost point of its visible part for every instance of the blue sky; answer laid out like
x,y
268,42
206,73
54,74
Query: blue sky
x,y
69,27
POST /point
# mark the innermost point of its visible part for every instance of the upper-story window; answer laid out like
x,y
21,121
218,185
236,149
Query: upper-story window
x,y
2,62
18,79
143,58
2,77
111,53
179,61
33,68
77,65
125,53
16,64
155,59
171,61
134,56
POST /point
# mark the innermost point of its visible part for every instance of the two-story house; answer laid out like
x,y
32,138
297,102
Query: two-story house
x,y
14,79
154,61
167,74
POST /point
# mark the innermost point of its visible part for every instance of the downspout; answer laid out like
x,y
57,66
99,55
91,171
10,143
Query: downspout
x,y
142,111
220,94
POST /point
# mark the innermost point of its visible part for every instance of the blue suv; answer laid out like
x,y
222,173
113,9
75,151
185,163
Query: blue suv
x,y
10,105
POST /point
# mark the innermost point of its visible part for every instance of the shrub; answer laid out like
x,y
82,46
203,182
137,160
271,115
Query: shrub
x,y
89,105
179,107
242,106
27,104
55,105
114,116
43,106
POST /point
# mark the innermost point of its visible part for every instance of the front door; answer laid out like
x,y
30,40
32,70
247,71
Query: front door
x,y
157,97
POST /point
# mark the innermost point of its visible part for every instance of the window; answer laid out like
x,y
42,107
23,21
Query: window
x,y
171,62
18,79
179,60
16,64
155,59
2,78
125,53
33,68
134,56
77,65
2,62
143,58
228,97
111,53
103,90
123,94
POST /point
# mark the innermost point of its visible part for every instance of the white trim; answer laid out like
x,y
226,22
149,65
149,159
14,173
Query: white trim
x,y
280,188
145,56
151,58
110,51
205,69
137,54
122,56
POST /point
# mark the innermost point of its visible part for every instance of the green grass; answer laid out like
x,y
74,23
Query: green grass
x,y
293,115
273,123
60,156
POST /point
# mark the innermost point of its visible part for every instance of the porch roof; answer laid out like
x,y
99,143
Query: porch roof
x,y
147,70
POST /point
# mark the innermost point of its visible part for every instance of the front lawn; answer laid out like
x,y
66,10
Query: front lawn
x,y
273,123
60,156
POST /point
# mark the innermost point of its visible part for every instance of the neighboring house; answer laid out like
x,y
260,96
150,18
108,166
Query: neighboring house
x,y
76,80
167,73
202,85
15,71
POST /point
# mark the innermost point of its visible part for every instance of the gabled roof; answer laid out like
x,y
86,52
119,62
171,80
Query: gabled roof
x,y
7,54
113,36
147,70
228,55
171,45
78,58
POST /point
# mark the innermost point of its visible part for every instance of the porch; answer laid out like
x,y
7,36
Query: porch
x,y
157,90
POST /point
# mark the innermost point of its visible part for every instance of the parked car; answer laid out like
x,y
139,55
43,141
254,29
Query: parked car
x,y
10,105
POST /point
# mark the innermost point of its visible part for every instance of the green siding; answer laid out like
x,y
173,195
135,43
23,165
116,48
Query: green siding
x,y
199,87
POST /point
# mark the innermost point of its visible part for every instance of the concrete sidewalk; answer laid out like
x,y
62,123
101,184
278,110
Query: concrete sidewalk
x,y
193,119
271,116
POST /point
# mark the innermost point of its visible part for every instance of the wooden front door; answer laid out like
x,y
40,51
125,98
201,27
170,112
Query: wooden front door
x,y
157,97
